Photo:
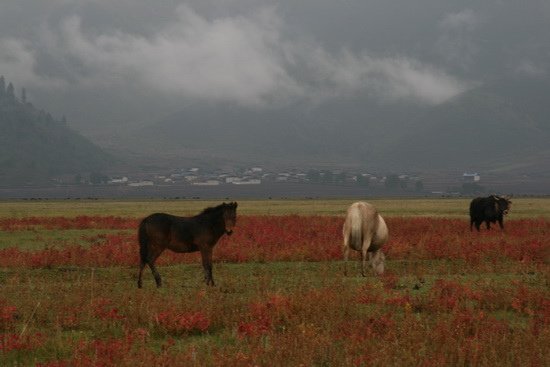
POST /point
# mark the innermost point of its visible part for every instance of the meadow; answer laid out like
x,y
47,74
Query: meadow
x,y
449,297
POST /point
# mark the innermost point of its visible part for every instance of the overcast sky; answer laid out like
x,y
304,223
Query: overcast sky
x,y
113,63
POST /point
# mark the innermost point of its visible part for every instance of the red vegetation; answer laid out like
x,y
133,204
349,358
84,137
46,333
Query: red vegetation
x,y
104,352
11,342
174,322
8,315
415,314
104,310
265,316
291,238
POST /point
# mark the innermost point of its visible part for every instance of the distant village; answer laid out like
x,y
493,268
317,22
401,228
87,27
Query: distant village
x,y
194,176
254,176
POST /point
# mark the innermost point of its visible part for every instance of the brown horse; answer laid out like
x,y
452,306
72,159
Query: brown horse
x,y
162,231
365,231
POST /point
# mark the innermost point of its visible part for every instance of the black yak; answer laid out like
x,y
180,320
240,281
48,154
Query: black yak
x,y
489,210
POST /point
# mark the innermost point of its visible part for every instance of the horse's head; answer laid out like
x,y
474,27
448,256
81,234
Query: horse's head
x,y
504,204
229,216
378,261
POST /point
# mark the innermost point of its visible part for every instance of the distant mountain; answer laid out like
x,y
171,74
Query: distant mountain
x,y
503,125
342,132
227,131
34,147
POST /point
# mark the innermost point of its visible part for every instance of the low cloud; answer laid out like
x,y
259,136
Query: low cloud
x,y
456,42
234,59
248,60
18,64
389,79
529,69
465,20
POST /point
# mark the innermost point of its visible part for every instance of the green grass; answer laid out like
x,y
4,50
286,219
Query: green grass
x,y
521,208
37,239
243,281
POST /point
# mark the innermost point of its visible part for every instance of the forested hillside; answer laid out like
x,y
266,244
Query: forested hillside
x,y
34,146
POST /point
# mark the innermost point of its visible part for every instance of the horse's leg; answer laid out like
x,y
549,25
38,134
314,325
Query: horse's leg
x,y
156,274
141,267
345,251
364,256
501,223
206,256
478,224
488,224
153,255
346,256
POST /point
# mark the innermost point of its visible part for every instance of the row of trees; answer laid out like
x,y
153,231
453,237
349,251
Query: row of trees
x,y
8,92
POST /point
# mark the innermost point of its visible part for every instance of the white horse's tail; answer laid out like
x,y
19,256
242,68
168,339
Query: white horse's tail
x,y
356,228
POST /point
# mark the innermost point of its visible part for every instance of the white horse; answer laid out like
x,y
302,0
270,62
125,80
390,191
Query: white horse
x,y
365,231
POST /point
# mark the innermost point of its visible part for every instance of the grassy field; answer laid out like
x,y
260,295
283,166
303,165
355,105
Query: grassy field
x,y
521,207
449,296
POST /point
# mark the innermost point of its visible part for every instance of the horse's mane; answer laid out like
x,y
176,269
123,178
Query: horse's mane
x,y
212,210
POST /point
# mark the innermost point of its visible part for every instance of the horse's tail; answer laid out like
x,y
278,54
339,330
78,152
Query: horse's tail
x,y
143,242
356,227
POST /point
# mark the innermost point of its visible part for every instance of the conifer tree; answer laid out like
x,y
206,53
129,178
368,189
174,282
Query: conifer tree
x,y
2,86
10,92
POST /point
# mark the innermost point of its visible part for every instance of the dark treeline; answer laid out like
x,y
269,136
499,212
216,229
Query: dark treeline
x,y
34,146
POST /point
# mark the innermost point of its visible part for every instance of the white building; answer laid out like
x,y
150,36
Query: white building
x,y
119,180
471,177
141,183
247,182
232,179
207,183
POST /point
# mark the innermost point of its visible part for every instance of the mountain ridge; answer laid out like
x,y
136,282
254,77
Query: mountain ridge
x,y
489,127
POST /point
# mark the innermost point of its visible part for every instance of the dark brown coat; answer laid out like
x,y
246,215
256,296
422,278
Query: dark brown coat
x,y
162,231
